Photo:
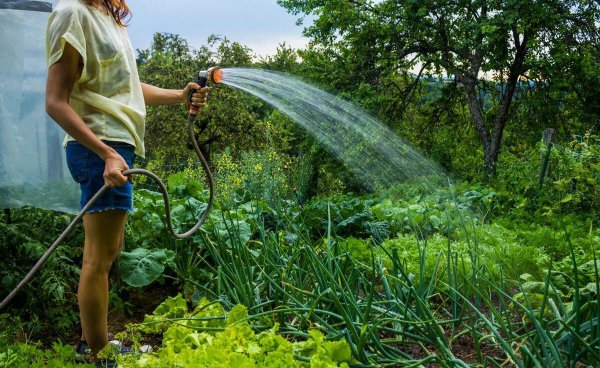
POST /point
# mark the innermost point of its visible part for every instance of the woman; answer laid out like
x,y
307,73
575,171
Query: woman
x,y
94,93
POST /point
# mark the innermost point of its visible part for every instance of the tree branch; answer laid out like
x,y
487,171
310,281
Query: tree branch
x,y
362,5
516,69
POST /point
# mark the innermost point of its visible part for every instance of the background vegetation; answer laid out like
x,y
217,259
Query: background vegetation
x,y
299,265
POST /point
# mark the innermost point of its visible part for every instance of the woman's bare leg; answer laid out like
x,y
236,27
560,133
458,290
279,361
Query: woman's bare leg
x,y
121,248
103,237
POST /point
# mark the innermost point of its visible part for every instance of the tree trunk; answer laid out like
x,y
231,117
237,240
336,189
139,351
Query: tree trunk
x,y
516,69
491,145
490,155
477,115
490,162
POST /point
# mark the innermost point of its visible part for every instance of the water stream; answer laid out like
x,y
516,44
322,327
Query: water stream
x,y
366,146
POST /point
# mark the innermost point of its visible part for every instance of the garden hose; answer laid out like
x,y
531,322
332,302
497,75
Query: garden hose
x,y
213,75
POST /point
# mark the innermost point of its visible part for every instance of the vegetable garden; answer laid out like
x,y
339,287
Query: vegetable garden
x,y
396,278
302,265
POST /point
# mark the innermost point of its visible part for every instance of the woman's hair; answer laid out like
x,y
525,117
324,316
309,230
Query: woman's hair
x,y
117,8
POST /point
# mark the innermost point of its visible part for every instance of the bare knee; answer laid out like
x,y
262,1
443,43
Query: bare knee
x,y
98,264
99,257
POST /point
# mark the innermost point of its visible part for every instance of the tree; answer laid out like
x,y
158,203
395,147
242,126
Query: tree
x,y
231,118
284,60
487,47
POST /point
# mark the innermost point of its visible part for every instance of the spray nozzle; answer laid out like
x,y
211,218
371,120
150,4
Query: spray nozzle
x,y
212,75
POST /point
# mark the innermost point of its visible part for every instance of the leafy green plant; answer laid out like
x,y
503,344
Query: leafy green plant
x,y
301,172
575,175
32,356
42,303
256,176
143,266
211,337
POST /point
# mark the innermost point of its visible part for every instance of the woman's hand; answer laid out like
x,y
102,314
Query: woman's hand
x,y
114,165
159,96
198,98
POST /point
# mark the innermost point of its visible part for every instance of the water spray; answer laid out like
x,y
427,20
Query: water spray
x,y
213,75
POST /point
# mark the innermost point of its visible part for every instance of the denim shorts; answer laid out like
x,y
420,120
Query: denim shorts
x,y
87,169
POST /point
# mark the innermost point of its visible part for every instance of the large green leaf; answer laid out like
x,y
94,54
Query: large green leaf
x,y
143,266
229,228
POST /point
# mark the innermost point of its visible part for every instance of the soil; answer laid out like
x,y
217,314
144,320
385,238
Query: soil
x,y
464,349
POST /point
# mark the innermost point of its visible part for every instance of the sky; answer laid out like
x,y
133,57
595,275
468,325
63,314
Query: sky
x,y
259,24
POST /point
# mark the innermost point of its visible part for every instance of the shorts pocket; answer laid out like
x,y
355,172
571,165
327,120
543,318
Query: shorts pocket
x,y
126,150
128,155
77,161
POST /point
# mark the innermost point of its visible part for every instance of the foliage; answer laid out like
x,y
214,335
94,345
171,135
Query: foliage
x,y
142,266
231,118
209,337
405,209
463,41
501,254
31,356
432,280
281,279
569,186
256,175
575,174
300,177
329,275
26,235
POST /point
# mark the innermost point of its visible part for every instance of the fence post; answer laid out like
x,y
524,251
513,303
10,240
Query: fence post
x,y
545,158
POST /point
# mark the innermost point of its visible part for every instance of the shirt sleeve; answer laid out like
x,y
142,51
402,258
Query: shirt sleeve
x,y
64,26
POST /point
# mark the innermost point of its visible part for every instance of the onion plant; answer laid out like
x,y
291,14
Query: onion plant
x,y
392,318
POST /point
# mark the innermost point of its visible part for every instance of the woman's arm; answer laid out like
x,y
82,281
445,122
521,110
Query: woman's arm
x,y
61,79
160,96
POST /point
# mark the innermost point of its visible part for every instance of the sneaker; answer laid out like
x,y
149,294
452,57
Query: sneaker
x,y
83,352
